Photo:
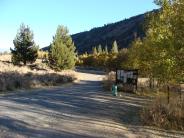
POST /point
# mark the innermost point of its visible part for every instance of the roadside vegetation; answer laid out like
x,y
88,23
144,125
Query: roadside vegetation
x,y
165,115
159,56
160,59
28,67
103,58
35,75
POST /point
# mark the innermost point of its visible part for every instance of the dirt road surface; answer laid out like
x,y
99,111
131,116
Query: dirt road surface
x,y
81,110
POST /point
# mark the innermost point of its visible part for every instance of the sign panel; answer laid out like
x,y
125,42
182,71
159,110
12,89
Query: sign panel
x,y
129,77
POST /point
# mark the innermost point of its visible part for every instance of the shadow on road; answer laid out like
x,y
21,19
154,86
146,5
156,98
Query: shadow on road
x,y
20,127
80,110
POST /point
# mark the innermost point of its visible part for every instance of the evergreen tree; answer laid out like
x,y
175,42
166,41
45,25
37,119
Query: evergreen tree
x,y
25,49
100,49
106,50
114,49
95,51
62,52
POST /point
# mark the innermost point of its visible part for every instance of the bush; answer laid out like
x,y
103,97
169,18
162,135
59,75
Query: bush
x,y
43,55
163,115
14,80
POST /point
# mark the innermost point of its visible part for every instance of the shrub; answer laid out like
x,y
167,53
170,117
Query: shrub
x,y
14,80
43,55
163,115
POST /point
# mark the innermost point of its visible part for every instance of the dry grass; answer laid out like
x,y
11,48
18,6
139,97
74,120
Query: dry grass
x,y
159,113
31,76
164,115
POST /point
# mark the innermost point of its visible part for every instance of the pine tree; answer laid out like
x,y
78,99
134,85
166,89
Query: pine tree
x,y
114,48
95,51
62,52
100,49
106,50
25,49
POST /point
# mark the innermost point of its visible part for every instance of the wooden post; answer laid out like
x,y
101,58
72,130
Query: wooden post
x,y
168,94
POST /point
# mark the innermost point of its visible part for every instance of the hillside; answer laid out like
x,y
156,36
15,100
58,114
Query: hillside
x,y
124,32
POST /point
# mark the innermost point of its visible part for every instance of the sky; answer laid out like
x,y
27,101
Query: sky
x,y
43,16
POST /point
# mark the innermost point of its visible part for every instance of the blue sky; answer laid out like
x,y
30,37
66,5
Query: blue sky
x,y
43,16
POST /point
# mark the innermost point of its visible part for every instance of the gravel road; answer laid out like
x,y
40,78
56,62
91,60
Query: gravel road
x,y
81,110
